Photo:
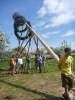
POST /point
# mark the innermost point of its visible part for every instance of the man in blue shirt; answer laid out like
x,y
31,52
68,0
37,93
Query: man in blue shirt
x,y
40,63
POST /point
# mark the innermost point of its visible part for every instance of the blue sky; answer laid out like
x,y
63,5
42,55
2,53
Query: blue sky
x,y
53,20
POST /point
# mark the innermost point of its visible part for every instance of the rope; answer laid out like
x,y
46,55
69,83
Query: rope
x,y
36,42
26,44
29,46
20,45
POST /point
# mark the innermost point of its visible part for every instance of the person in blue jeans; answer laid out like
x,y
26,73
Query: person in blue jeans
x,y
40,63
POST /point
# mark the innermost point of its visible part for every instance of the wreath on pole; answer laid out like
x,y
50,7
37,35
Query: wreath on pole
x,y
19,22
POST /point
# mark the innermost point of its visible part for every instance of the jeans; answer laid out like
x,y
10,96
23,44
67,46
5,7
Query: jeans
x,y
40,67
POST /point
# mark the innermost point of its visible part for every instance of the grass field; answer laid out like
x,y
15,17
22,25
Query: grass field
x,y
33,86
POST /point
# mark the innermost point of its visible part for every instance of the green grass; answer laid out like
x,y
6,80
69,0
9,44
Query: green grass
x,y
51,65
34,86
4,64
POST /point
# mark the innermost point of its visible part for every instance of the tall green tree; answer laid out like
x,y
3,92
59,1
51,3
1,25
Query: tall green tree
x,y
4,44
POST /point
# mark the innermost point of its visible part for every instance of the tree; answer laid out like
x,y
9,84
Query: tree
x,y
17,50
4,44
64,45
42,50
52,48
60,50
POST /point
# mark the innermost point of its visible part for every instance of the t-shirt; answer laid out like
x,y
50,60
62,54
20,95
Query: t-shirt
x,y
39,59
20,61
66,65
43,58
12,61
16,60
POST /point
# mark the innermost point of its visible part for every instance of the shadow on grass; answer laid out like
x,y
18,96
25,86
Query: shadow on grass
x,y
47,97
4,73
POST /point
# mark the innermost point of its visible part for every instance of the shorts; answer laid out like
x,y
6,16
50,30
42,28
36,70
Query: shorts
x,y
67,81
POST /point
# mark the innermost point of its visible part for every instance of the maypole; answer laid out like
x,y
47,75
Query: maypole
x,y
55,57
21,22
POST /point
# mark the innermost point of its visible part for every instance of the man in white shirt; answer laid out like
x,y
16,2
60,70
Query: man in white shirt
x,y
20,62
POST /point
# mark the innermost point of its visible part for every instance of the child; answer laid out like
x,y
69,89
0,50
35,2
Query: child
x,y
12,65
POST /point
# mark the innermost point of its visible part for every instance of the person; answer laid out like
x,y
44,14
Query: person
x,y
59,55
65,65
16,62
28,63
43,60
20,62
40,63
12,65
36,61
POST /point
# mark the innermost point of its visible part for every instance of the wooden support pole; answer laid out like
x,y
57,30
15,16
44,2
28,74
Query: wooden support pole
x,y
55,57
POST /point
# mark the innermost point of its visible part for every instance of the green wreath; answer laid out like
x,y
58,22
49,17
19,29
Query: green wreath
x,y
20,21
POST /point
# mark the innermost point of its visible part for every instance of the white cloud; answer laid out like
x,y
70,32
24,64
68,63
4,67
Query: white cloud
x,y
48,34
69,33
42,12
38,24
59,12
61,19
56,32
44,36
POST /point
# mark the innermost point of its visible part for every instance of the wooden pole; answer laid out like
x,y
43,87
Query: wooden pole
x,y
55,57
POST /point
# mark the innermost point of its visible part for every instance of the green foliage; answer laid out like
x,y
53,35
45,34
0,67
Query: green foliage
x,y
51,65
42,50
4,44
16,50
